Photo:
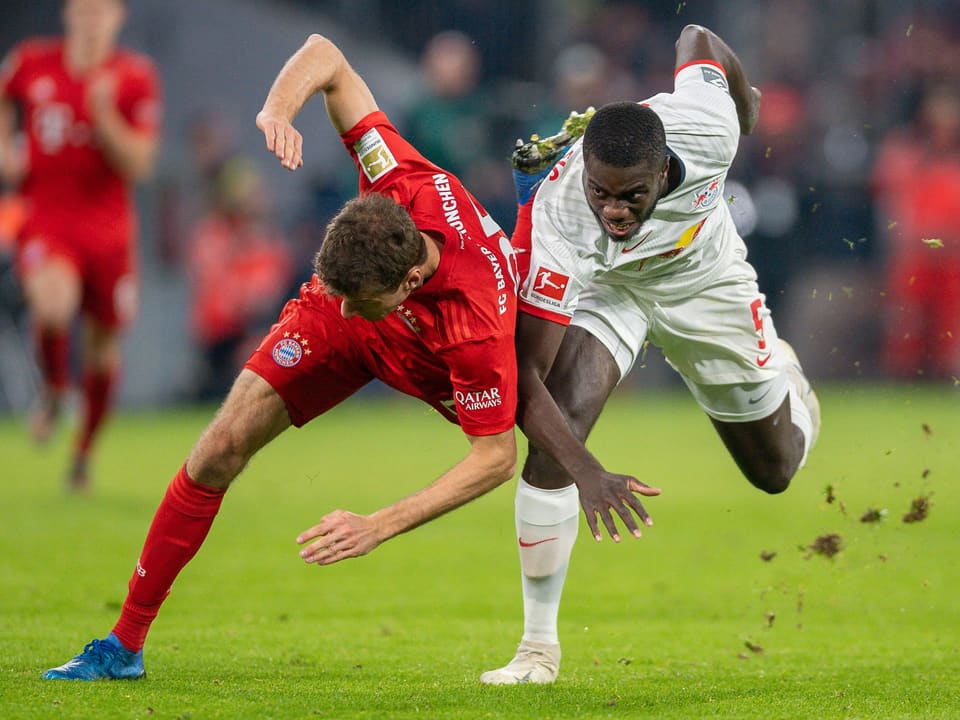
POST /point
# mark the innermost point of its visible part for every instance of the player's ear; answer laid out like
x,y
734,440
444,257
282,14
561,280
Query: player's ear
x,y
414,279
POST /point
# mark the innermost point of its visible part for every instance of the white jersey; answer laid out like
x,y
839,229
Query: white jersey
x,y
672,254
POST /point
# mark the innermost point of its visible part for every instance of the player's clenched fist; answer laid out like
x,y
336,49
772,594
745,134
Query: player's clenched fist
x,y
283,140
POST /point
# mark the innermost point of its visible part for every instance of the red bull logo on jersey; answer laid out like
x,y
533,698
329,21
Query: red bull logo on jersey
x,y
550,284
707,195
479,400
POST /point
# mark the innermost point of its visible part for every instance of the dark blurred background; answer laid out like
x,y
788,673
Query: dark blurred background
x,y
847,193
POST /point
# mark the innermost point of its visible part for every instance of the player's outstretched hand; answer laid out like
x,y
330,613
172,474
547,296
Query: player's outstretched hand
x,y
617,492
340,535
283,139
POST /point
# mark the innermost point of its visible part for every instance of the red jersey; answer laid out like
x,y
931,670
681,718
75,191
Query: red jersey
x,y
68,174
449,344
465,313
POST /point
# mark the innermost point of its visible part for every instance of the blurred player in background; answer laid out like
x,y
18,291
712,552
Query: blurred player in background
x,y
414,286
90,112
629,237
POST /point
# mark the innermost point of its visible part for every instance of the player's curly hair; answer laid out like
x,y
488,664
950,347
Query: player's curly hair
x,y
625,134
369,247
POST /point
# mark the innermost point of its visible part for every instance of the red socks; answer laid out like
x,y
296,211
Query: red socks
x,y
179,527
97,392
53,350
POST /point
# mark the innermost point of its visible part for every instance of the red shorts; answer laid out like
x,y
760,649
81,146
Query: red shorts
x,y
315,358
104,261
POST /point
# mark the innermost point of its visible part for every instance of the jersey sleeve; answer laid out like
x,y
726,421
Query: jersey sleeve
x,y
558,274
484,378
382,156
700,116
140,96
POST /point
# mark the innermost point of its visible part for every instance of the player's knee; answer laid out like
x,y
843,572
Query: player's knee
x,y
773,478
217,458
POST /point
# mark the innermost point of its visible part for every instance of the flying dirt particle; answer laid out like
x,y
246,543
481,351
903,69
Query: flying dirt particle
x,y
843,508
612,702
770,617
873,515
882,557
919,509
926,430
848,291
767,555
827,545
926,473
932,242
753,647
624,660
891,225
680,6
909,29
769,150
830,494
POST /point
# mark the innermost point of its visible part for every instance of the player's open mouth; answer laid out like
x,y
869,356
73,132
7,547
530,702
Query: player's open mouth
x,y
619,230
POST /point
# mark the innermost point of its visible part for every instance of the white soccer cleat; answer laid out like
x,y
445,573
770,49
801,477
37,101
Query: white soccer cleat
x,y
535,662
807,395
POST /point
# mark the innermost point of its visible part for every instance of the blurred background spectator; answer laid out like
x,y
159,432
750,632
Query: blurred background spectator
x,y
239,267
917,186
851,168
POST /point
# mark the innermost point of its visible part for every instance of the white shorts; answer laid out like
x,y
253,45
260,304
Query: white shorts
x,y
719,337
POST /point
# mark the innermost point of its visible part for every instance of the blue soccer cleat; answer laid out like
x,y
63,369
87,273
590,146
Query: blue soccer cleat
x,y
532,161
103,659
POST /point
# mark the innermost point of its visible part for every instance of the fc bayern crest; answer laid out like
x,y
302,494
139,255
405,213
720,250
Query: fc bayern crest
x,y
287,352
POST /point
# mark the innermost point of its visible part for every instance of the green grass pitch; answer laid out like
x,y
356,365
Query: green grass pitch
x,y
689,622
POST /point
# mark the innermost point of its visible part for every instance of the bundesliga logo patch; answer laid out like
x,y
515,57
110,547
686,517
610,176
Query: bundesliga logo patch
x,y
287,352
551,284
374,155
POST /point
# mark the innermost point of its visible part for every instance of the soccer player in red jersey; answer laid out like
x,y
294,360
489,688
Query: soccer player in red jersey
x,y
415,285
90,112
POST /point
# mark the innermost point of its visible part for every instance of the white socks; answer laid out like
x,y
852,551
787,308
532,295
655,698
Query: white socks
x,y
547,522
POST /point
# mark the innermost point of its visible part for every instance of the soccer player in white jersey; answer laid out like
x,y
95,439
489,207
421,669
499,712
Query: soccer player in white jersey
x,y
629,238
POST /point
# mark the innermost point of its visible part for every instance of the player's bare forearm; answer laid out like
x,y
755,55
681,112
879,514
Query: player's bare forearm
x,y
699,43
319,66
341,535
130,152
544,425
601,493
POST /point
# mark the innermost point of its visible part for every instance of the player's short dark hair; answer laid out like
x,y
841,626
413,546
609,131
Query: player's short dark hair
x,y
369,247
625,134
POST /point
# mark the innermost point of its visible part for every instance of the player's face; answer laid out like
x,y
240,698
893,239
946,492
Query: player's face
x,y
373,305
623,198
95,21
